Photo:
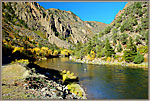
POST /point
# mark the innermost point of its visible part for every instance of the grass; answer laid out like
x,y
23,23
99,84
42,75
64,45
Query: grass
x,y
12,72
10,75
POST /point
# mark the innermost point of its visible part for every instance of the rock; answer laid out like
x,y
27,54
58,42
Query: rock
x,y
59,88
26,74
43,76
44,89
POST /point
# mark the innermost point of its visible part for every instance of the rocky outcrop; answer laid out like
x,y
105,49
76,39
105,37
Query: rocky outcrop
x,y
62,28
95,26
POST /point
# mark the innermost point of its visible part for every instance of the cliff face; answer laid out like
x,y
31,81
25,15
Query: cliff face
x,y
62,28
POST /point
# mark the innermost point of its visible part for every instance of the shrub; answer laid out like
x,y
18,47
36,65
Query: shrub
x,y
39,45
138,28
114,30
107,30
55,53
117,25
65,52
101,34
75,88
21,61
123,38
143,49
137,5
92,54
108,59
101,53
144,23
57,33
67,75
20,49
139,58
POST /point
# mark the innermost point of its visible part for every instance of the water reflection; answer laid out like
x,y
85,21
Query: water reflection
x,y
105,82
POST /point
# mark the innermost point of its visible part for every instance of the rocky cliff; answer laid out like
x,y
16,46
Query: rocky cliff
x,y
59,27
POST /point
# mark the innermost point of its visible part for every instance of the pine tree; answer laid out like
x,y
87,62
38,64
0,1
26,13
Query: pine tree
x,y
131,46
130,52
119,48
109,51
138,59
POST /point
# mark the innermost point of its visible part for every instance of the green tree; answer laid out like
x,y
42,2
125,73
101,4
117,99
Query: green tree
x,y
123,38
101,34
39,45
131,46
139,58
119,48
114,30
117,25
130,52
107,30
101,53
109,51
137,40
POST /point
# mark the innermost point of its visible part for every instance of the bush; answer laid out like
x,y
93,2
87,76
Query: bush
x,y
108,59
123,38
92,54
101,53
107,30
138,28
57,34
144,23
137,5
143,49
101,34
117,25
139,58
39,45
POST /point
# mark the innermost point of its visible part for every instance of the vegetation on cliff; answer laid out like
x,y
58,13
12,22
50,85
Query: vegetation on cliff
x,y
125,39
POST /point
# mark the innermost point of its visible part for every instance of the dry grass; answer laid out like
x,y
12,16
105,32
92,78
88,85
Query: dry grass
x,y
12,72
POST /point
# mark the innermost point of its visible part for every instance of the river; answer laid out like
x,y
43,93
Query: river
x,y
105,82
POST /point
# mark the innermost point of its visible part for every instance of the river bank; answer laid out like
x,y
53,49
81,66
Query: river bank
x,y
102,62
30,81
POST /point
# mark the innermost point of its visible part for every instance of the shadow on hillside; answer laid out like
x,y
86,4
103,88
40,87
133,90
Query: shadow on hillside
x,y
7,59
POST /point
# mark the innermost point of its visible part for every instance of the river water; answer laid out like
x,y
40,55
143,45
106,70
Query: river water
x,y
105,82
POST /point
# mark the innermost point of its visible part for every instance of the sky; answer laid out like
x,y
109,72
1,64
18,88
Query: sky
x,y
104,12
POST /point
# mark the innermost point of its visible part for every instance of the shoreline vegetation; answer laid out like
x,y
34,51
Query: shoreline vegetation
x,y
24,80
102,62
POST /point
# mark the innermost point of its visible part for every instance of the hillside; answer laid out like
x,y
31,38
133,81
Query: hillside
x,y
124,40
62,28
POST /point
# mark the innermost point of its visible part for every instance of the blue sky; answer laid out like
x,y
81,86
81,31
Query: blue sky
x,y
89,11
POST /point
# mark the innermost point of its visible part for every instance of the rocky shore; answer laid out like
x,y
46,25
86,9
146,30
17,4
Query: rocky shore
x,y
102,62
23,82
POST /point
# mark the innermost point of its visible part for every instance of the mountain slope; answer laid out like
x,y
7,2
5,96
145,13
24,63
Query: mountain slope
x,y
124,39
62,28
